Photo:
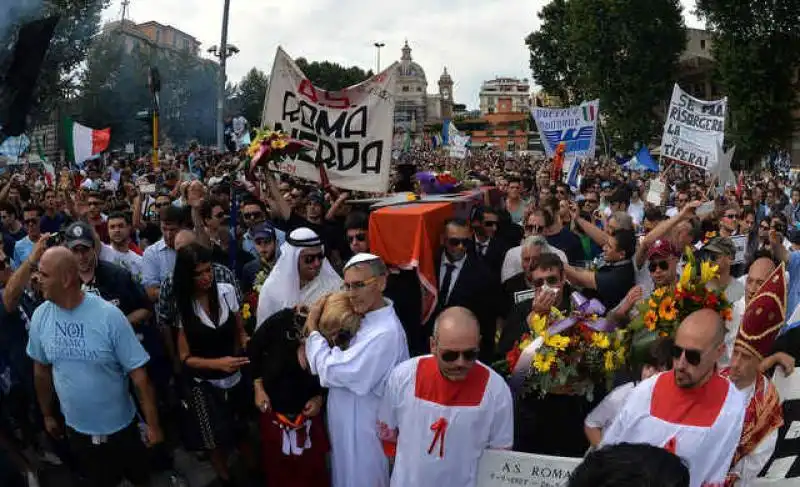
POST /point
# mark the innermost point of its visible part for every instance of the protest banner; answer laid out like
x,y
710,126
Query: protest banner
x,y
694,130
575,126
350,131
499,468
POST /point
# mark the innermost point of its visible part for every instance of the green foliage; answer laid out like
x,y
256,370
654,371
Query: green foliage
x,y
624,52
113,87
247,97
80,21
332,76
757,50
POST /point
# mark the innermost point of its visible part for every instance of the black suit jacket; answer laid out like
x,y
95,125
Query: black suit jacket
x,y
474,289
495,254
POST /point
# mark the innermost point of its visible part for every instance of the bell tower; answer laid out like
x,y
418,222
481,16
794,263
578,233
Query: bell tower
x,y
446,94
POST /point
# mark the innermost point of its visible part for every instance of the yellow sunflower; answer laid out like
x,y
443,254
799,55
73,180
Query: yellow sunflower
x,y
652,304
610,364
650,319
686,276
537,324
600,340
667,310
658,293
708,271
558,342
543,363
246,311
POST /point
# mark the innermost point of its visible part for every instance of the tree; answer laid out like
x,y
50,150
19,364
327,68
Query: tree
x,y
624,52
79,23
332,76
757,51
248,98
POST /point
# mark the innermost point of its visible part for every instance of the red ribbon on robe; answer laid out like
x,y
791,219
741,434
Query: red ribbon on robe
x,y
439,428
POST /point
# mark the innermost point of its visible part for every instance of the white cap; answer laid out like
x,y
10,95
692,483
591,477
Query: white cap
x,y
360,259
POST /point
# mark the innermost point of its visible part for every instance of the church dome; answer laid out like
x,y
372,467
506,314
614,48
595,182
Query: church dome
x,y
408,67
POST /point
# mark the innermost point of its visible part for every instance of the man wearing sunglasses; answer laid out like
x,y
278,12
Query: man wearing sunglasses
x,y
301,275
690,410
755,340
441,411
489,246
32,217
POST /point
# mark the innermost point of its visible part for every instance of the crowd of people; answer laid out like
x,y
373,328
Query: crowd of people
x,y
146,310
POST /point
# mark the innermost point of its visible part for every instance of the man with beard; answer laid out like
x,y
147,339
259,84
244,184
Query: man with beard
x,y
760,326
690,410
356,377
111,282
122,251
263,236
302,275
95,217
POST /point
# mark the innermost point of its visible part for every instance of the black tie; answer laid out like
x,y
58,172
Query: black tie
x,y
444,290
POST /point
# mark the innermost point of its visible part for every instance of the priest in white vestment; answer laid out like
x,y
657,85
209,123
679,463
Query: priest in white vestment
x,y
760,325
301,276
356,377
442,411
691,410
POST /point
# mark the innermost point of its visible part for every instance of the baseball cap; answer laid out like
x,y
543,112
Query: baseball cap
x,y
263,230
662,248
316,197
79,233
721,245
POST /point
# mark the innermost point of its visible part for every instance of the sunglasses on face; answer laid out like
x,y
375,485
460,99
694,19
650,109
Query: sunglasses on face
x,y
456,242
357,285
158,205
452,355
659,264
692,356
95,203
490,223
549,280
220,215
359,237
253,216
31,221
310,258
732,216
590,202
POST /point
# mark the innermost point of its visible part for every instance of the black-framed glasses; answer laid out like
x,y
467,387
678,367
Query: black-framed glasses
x,y
549,280
310,258
256,215
455,242
358,285
692,356
452,355
658,264
360,237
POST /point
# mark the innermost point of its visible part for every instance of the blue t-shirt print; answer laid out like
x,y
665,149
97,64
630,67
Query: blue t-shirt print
x,y
92,349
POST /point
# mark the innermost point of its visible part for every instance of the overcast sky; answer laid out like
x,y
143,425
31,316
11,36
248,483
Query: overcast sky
x,y
475,39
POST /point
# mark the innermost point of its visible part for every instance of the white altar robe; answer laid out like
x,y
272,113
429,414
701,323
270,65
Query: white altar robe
x,y
356,378
702,426
472,416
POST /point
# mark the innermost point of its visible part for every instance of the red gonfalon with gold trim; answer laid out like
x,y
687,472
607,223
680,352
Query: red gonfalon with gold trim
x,y
765,315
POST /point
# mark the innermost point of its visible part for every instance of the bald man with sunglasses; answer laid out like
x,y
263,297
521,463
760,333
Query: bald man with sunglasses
x,y
440,412
690,410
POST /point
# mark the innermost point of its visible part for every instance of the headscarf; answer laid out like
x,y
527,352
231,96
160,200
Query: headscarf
x,y
282,288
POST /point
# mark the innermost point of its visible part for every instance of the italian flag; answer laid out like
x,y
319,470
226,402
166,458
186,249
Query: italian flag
x,y
588,112
84,142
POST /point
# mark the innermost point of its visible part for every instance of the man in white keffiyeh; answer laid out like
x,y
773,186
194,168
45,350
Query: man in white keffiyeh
x,y
302,275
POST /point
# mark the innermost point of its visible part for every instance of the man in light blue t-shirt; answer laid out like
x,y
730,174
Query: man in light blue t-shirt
x,y
85,351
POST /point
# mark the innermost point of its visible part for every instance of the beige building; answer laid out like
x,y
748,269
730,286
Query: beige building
x,y
505,95
696,76
153,34
414,107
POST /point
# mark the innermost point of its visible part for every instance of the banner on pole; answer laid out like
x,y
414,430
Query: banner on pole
x,y
575,126
694,130
350,130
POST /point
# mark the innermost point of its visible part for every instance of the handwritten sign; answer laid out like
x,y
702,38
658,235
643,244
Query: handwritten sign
x,y
740,241
510,468
350,130
694,130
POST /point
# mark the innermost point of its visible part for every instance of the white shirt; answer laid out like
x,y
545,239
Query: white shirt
x,y
672,212
472,416
128,260
512,264
356,380
456,271
604,414
751,465
636,211
737,311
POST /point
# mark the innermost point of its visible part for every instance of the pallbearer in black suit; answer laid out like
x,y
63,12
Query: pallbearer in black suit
x,y
464,280
489,246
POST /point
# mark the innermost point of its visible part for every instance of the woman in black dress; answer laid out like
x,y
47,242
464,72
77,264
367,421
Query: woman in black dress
x,y
211,339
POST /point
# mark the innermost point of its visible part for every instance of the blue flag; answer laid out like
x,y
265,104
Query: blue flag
x,y
572,176
642,161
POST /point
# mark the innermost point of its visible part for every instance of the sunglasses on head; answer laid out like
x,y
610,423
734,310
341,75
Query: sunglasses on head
x,y
309,258
455,242
692,356
452,355
549,280
357,237
658,264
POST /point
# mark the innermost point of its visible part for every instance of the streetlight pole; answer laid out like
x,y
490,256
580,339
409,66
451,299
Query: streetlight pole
x,y
223,54
378,46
